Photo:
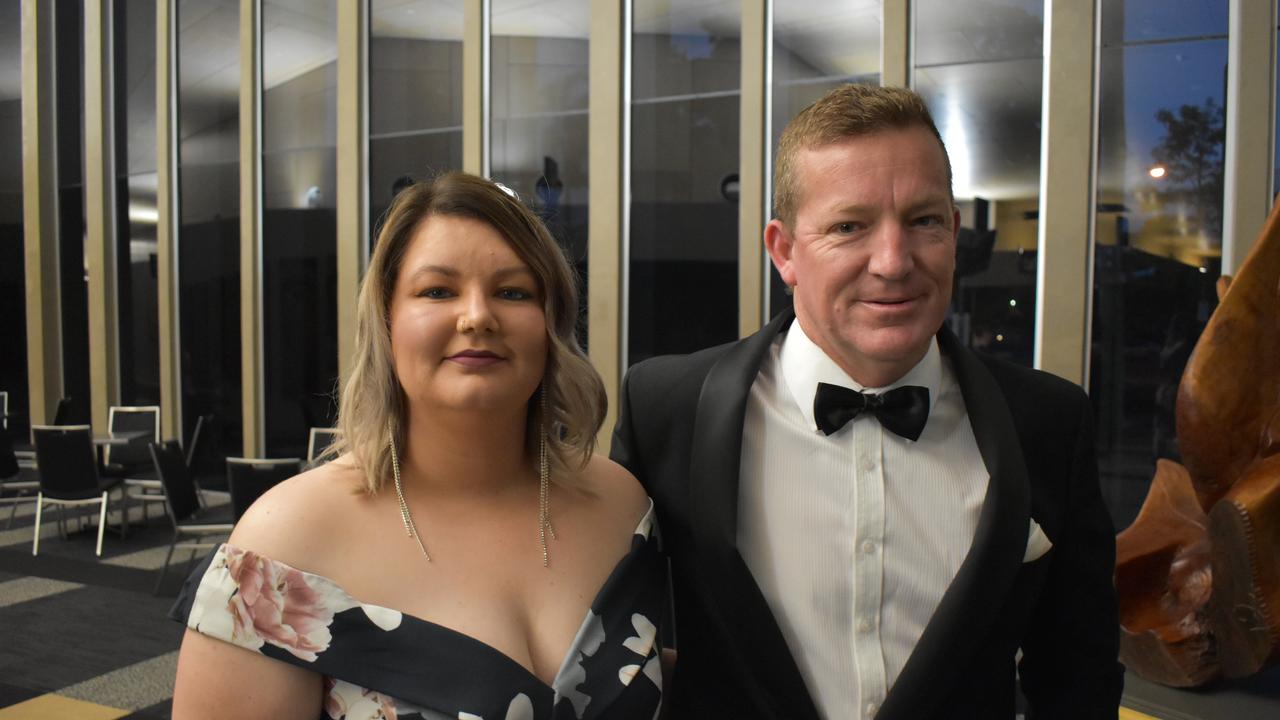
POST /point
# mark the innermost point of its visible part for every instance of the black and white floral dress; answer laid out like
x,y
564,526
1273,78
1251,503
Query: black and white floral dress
x,y
382,663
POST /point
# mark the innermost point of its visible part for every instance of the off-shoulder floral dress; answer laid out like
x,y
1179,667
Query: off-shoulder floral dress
x,y
381,663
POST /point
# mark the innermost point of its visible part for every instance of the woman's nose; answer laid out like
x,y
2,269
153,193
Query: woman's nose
x,y
475,315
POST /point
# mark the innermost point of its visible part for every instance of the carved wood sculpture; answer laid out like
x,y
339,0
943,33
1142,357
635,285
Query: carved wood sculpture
x,y
1214,523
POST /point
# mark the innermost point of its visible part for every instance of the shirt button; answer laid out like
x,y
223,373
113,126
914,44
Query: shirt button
x,y
869,466
865,625
871,709
868,547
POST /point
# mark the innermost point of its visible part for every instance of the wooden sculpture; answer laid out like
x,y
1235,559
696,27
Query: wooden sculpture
x,y
1198,572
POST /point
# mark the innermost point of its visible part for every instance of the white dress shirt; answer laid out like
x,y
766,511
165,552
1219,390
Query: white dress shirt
x,y
853,537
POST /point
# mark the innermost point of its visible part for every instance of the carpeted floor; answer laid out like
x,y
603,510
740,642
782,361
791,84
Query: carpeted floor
x,y
82,637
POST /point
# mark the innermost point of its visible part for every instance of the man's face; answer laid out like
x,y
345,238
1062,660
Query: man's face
x,y
872,250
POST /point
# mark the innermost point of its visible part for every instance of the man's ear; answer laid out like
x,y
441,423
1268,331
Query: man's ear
x,y
780,243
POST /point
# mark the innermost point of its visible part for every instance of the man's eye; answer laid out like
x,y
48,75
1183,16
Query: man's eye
x,y
845,228
928,220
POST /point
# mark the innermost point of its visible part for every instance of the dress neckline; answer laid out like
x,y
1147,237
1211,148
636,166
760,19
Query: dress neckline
x,y
643,529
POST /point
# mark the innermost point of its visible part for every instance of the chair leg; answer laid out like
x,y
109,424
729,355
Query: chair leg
x,y
165,568
12,514
35,541
102,522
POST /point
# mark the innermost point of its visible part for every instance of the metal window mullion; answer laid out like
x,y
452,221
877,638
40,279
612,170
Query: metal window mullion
x,y
353,171
753,151
251,341
40,211
1067,168
609,152
100,209
475,87
1248,154
167,219
895,43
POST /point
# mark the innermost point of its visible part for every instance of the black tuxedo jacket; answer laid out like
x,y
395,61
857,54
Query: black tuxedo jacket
x,y
679,431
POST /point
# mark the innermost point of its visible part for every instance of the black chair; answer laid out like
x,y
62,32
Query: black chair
x,y
318,442
189,519
13,489
249,478
69,474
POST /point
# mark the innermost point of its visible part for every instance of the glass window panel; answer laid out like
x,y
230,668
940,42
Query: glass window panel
x,y
1158,237
415,95
209,218
299,227
135,130
980,68
13,302
686,75
1136,21
817,47
74,288
949,32
538,118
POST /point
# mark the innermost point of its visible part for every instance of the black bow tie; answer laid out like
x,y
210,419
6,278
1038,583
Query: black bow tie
x,y
902,411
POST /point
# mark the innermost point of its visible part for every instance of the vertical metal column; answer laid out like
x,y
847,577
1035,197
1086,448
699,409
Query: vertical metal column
x,y
753,149
167,218
895,44
100,208
608,143
40,210
1249,151
1067,150
353,171
475,87
251,342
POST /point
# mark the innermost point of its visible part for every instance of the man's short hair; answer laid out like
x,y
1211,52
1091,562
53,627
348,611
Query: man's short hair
x,y
846,112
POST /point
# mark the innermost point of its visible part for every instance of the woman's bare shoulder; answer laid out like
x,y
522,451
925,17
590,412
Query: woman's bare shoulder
x,y
620,493
303,518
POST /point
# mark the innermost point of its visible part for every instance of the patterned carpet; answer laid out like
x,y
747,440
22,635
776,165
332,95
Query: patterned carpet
x,y
84,638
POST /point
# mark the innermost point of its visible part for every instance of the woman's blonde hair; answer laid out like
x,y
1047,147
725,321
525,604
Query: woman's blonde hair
x,y
373,401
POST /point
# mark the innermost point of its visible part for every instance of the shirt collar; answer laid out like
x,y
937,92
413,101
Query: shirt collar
x,y
804,365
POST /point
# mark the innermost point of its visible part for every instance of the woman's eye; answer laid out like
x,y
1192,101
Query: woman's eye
x,y
435,293
514,294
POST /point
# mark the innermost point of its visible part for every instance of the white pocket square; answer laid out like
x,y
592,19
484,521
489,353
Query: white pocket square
x,y
1037,543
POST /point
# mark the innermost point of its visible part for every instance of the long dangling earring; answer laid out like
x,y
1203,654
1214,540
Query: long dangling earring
x,y
409,526
544,478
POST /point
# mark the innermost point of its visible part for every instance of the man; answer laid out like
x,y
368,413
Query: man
x,y
893,562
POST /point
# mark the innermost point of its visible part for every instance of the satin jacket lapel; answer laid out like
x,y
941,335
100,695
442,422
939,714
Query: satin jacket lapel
x,y
749,625
972,603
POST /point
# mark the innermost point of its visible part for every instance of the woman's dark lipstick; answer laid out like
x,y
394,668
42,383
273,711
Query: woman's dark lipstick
x,y
475,358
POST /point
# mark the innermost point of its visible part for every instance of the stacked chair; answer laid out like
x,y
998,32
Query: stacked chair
x,y
194,527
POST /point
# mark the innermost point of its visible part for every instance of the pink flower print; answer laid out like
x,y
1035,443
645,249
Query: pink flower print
x,y
274,603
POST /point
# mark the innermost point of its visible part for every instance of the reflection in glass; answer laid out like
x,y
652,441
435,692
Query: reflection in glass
x,y
135,130
13,302
538,118
299,228
817,47
683,264
1158,236
415,95
209,220
69,100
980,69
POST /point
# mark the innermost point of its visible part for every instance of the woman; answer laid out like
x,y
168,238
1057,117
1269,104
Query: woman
x,y
466,555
